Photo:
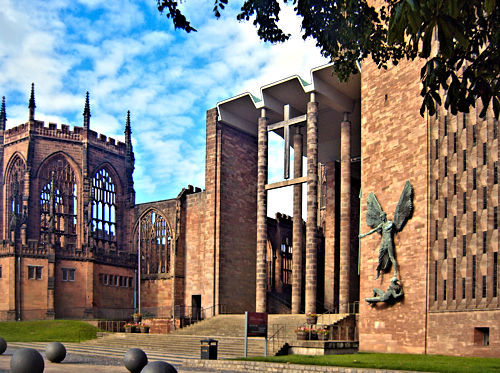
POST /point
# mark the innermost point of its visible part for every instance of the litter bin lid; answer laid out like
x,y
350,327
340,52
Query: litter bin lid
x,y
209,340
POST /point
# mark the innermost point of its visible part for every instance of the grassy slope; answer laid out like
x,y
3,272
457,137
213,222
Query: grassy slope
x,y
47,331
424,363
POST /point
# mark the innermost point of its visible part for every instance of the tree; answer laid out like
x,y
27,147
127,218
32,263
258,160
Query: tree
x,y
458,39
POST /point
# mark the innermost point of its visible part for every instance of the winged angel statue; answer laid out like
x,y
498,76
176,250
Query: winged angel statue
x,y
377,219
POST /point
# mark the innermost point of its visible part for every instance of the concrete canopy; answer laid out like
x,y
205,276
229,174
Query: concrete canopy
x,y
334,98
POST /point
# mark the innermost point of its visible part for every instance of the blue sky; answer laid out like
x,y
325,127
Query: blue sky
x,y
129,57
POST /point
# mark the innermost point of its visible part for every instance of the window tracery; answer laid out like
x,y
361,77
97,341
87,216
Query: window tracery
x,y
15,182
103,219
155,244
58,203
286,261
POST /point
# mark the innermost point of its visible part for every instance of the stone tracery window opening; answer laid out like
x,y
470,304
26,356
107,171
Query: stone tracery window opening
x,y
16,185
58,203
155,244
286,262
103,219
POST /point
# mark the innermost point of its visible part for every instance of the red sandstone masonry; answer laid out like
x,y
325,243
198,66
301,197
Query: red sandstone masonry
x,y
35,144
238,220
394,149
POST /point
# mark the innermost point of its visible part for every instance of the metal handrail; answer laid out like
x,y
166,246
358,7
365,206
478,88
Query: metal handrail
x,y
275,338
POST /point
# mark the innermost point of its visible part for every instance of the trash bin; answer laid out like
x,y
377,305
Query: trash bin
x,y
209,349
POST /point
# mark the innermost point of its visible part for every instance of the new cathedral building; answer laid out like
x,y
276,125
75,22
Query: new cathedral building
x,y
71,228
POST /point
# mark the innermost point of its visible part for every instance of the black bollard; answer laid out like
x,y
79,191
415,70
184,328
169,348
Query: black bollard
x,y
3,345
159,367
134,360
27,360
55,352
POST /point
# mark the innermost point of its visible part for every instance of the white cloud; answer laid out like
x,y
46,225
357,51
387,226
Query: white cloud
x,y
129,58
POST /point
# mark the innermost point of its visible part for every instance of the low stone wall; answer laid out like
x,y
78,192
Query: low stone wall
x,y
256,366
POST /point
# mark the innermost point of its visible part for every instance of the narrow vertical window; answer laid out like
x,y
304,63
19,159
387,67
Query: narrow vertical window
x,y
474,179
437,190
485,197
445,249
286,261
445,207
454,282
485,154
445,165
485,242
454,226
495,217
495,172
474,218
454,184
465,160
464,120
454,142
465,202
435,280
444,289
495,274
474,135
463,288
495,128
473,277
437,148
446,125
484,287
437,229
464,245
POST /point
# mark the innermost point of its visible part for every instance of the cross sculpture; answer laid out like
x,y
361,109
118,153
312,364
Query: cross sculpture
x,y
286,124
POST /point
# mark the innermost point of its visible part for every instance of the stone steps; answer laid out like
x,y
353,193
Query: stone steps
x,y
185,345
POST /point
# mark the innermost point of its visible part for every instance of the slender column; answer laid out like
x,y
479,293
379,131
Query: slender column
x,y
261,301
312,205
345,213
297,224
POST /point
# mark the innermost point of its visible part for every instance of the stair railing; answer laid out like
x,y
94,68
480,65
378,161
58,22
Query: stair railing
x,y
278,338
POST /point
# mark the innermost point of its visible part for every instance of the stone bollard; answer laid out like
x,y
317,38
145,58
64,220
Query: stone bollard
x,y
134,360
55,352
3,345
27,360
159,367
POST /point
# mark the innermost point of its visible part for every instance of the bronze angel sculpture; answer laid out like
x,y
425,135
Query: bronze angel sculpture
x,y
377,219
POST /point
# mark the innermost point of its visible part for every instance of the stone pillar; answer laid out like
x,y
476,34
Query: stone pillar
x,y
345,213
297,224
261,294
312,205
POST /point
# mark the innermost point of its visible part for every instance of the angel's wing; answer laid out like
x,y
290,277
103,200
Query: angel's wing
x,y
374,210
404,208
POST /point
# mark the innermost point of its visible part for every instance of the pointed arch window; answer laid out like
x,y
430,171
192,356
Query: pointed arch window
x,y
15,185
59,203
103,223
286,261
155,244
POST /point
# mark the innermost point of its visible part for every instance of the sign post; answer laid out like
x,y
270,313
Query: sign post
x,y
255,326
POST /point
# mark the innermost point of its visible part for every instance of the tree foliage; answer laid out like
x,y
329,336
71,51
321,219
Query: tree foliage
x,y
458,39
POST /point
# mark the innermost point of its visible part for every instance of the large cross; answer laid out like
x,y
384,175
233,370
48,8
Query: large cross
x,y
286,123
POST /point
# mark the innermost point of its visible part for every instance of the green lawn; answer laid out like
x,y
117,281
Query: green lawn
x,y
47,331
425,363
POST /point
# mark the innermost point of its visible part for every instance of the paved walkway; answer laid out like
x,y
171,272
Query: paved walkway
x,y
82,359
109,361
